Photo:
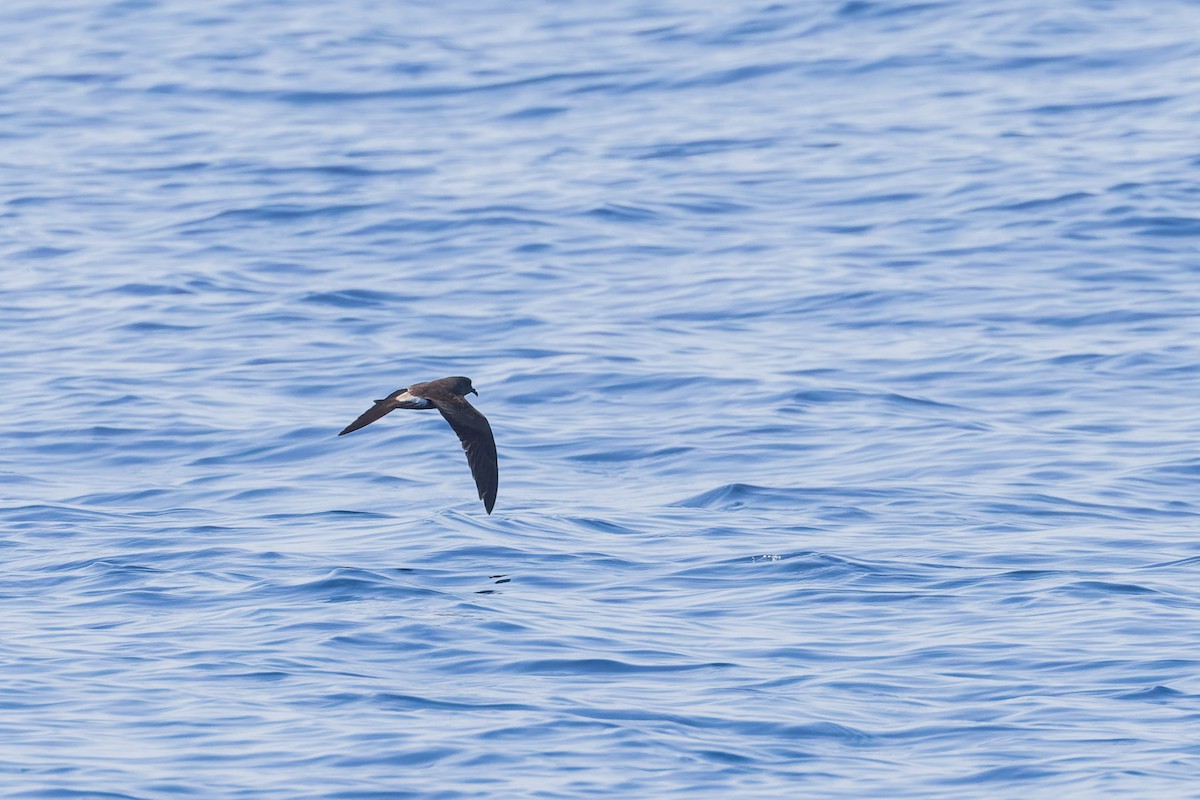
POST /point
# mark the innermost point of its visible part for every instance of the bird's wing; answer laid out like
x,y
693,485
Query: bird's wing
x,y
476,436
373,413
401,398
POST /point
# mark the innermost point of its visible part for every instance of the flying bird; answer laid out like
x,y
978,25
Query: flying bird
x,y
448,395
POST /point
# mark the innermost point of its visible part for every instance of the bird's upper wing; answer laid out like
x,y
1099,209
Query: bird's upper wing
x,y
400,398
373,413
476,436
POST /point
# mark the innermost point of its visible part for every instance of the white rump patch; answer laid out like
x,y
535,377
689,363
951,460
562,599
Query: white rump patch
x,y
407,400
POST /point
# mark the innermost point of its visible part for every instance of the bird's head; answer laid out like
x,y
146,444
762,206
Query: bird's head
x,y
463,387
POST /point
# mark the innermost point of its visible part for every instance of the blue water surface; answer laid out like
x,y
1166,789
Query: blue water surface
x,y
842,357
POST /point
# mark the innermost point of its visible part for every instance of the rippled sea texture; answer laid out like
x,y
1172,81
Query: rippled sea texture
x,y
842,359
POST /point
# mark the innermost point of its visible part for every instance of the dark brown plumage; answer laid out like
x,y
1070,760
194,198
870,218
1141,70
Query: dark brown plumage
x,y
448,395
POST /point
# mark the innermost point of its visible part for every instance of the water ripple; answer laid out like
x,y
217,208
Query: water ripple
x,y
842,361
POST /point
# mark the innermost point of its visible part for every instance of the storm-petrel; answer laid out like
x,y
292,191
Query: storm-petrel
x,y
448,395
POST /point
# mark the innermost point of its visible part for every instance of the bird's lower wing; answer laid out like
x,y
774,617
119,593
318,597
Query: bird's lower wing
x,y
476,436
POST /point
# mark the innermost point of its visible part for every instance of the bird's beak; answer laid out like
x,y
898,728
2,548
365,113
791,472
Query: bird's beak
x,y
474,392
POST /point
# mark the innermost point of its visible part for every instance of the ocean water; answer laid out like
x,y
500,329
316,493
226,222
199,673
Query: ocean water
x,y
842,359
